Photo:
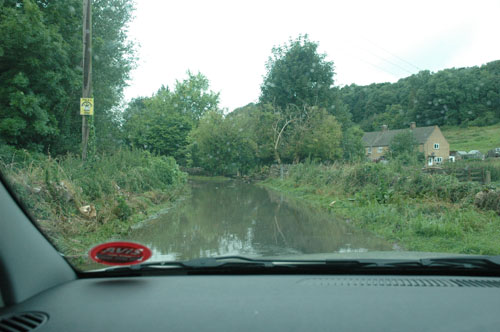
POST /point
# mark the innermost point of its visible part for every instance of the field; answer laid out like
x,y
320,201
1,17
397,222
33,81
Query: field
x,y
473,138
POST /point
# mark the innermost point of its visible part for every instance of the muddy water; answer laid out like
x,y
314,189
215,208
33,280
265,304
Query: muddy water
x,y
234,218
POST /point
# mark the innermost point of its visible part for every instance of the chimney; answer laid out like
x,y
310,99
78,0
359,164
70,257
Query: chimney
x,y
413,125
384,128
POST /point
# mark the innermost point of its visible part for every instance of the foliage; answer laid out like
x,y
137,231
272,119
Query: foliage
x,y
403,146
318,137
40,71
121,186
492,165
220,145
163,122
453,97
34,70
415,210
352,144
297,74
193,98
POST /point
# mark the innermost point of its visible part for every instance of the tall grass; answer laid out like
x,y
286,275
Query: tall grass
x,y
416,210
490,164
120,187
382,182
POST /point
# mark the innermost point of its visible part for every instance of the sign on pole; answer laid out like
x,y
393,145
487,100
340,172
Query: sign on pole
x,y
86,106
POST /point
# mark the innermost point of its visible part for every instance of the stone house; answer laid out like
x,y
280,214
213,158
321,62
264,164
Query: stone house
x,y
430,140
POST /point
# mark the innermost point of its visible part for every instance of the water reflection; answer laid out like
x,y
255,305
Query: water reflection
x,y
237,218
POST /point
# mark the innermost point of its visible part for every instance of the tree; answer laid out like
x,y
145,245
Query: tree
x,y
163,122
193,97
155,124
297,74
40,71
317,137
221,146
455,97
352,144
403,146
34,71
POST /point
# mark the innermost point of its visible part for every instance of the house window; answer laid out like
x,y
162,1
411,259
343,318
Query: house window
x,y
380,149
370,150
438,160
436,146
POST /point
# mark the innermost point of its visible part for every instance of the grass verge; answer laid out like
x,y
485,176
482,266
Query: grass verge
x,y
415,211
78,205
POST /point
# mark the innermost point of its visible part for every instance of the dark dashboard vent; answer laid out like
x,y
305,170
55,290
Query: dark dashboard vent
x,y
401,282
22,322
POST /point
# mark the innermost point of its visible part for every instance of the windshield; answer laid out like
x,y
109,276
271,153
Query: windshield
x,y
283,129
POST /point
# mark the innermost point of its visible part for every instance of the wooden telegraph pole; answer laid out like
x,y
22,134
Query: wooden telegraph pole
x,y
87,70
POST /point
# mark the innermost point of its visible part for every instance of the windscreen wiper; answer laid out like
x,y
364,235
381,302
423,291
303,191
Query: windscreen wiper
x,y
242,264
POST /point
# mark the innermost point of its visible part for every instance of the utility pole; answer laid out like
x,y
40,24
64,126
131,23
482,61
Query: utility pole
x,y
87,70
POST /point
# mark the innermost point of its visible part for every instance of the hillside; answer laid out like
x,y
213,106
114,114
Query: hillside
x,y
473,138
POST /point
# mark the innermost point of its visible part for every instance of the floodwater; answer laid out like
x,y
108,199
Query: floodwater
x,y
235,218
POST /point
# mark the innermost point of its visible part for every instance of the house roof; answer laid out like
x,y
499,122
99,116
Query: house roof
x,y
384,138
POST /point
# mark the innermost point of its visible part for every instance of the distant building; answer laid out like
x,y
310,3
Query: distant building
x,y
430,140
457,155
474,154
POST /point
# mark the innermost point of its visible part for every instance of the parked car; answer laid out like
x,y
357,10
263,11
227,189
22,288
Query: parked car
x,y
493,153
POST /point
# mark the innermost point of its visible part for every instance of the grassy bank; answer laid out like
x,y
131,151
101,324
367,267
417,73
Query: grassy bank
x,y
81,204
473,138
208,178
415,211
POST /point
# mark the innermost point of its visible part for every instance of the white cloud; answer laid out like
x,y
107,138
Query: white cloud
x,y
369,41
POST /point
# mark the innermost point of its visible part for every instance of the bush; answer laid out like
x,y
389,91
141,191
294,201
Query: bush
x,y
382,183
58,186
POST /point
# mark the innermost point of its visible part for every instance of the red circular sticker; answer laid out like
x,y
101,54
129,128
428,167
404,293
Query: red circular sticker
x,y
120,253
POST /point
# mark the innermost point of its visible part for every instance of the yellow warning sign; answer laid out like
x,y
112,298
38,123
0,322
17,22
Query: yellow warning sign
x,y
86,106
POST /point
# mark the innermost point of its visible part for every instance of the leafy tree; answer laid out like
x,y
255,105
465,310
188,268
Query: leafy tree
x,y
257,121
163,122
352,144
41,74
297,74
155,124
34,70
193,97
220,146
455,96
318,137
403,147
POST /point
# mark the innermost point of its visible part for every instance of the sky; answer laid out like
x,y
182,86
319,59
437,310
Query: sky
x,y
369,41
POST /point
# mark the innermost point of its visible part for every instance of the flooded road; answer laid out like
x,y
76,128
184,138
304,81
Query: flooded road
x,y
234,218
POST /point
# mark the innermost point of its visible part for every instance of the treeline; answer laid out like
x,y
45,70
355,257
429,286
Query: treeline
x,y
452,97
41,72
299,116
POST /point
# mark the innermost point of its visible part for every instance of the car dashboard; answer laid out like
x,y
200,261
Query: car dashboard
x,y
267,303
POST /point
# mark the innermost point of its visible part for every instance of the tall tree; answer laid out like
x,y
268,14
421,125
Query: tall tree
x,y
297,74
35,72
40,71
162,122
193,96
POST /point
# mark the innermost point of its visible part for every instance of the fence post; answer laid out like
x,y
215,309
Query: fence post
x,y
487,177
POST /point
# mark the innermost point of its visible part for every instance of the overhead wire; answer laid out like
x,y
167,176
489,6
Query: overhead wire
x,y
392,54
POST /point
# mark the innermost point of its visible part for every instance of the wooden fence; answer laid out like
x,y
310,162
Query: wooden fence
x,y
463,174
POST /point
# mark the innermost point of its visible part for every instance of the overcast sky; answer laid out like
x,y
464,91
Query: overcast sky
x,y
368,41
